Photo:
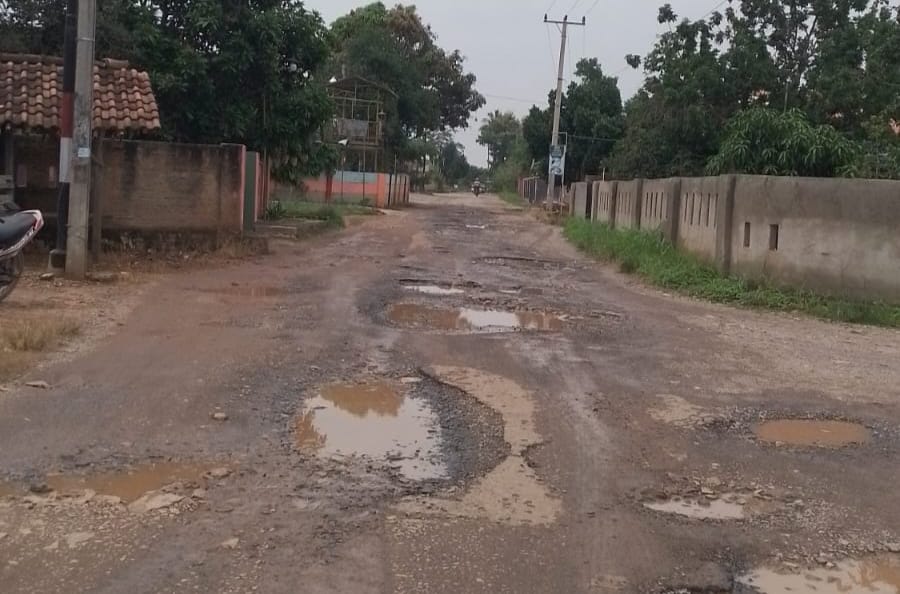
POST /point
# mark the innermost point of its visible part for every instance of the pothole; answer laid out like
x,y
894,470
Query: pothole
x,y
878,575
374,420
812,433
522,261
128,485
435,290
471,320
725,507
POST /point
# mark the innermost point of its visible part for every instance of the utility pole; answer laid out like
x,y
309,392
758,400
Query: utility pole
x,y
554,142
58,254
80,193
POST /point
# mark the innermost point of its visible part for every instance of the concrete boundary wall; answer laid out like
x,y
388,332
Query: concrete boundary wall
x,y
837,236
605,200
628,204
582,200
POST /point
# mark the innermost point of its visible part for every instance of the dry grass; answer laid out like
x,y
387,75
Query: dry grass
x,y
22,341
36,335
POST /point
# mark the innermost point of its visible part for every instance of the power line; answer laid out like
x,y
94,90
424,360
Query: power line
x,y
550,47
508,98
591,9
577,2
551,6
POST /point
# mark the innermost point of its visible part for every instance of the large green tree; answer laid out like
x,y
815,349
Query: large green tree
x,y
222,70
590,118
500,133
395,48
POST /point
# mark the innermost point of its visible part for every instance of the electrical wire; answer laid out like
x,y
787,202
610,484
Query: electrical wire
x,y
591,9
550,47
574,6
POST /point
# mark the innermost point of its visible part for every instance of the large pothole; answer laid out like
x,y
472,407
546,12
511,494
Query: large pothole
x,y
876,575
419,429
812,433
470,320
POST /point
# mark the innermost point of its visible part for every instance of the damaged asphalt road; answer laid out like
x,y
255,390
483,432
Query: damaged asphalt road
x,y
452,399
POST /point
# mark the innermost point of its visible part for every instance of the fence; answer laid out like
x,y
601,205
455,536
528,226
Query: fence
x,y
383,190
831,235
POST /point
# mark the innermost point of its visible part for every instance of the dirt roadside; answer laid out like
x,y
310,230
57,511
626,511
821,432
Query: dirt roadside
x,y
552,427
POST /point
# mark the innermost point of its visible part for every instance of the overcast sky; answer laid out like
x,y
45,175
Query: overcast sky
x,y
514,54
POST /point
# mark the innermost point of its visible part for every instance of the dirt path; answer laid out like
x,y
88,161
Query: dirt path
x,y
451,399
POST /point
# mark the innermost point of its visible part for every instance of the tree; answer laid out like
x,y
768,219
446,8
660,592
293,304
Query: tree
x,y
222,71
772,142
500,133
591,117
395,48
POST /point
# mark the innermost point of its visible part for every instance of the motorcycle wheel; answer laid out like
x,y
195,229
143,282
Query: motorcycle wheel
x,y
10,273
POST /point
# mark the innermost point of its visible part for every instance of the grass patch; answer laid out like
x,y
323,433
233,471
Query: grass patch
x,y
35,335
512,198
655,259
22,341
332,213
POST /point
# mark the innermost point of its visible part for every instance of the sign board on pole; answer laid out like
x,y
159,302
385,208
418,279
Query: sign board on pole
x,y
557,160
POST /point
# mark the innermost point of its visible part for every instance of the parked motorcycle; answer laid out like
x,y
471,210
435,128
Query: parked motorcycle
x,y
17,229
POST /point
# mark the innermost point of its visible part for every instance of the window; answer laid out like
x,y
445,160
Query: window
x,y
746,235
773,237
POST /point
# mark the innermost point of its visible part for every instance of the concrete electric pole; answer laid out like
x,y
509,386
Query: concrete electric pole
x,y
80,196
555,149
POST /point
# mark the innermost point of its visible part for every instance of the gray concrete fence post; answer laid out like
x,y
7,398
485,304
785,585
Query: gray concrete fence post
x,y
673,212
724,223
613,203
638,202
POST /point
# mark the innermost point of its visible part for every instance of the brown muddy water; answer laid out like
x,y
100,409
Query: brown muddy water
x,y
813,433
373,420
129,485
723,508
878,575
471,320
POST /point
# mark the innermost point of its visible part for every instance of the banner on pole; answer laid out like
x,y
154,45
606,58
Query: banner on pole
x,y
557,160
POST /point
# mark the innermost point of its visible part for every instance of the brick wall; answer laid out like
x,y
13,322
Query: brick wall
x,y
160,186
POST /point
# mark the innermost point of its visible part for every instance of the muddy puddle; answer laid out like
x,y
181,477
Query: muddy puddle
x,y
436,290
129,485
880,575
725,508
471,320
373,420
813,433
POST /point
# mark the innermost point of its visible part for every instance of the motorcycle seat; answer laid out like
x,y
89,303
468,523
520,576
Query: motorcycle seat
x,y
14,227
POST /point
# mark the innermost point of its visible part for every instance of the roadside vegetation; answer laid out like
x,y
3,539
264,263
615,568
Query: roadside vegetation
x,y
656,260
22,340
331,214
511,198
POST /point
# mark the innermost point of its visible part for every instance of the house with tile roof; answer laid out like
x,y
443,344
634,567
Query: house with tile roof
x,y
31,115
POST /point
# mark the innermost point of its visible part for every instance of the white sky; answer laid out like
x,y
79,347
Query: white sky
x,y
514,54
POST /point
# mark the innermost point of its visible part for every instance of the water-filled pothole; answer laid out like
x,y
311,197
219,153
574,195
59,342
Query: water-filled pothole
x,y
471,320
879,575
812,432
437,290
374,420
726,507
129,485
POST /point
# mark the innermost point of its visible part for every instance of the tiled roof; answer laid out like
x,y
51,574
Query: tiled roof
x,y
31,93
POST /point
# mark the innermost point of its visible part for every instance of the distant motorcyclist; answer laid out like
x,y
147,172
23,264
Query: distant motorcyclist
x,y
477,188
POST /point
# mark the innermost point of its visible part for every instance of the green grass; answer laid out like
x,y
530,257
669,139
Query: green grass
x,y
512,198
332,214
656,260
